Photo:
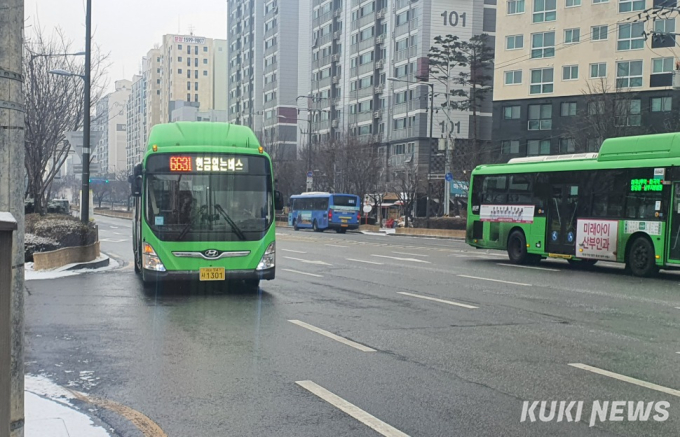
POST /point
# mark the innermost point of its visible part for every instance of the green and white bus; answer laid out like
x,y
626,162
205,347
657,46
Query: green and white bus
x,y
204,205
621,204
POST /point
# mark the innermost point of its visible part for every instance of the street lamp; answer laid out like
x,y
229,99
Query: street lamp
x,y
85,204
431,85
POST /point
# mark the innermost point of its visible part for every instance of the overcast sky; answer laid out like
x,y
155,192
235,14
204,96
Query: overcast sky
x,y
128,29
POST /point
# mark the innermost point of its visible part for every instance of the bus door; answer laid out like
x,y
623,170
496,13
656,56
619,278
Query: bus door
x,y
674,243
561,220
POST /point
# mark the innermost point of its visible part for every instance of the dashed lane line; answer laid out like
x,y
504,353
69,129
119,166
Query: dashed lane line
x,y
302,273
410,254
403,259
306,261
352,410
332,336
292,251
528,267
628,379
434,299
364,261
494,280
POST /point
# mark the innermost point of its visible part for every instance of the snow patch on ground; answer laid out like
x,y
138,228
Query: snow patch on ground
x,y
62,272
50,414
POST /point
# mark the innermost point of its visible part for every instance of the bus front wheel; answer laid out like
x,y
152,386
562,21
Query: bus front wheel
x,y
316,227
517,250
295,226
640,260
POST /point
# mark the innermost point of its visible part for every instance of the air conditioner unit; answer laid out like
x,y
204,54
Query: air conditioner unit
x,y
336,34
380,39
336,80
377,114
380,63
337,13
380,14
336,58
379,89
334,124
676,79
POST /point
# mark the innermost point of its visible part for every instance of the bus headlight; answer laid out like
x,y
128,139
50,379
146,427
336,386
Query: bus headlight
x,y
150,260
268,260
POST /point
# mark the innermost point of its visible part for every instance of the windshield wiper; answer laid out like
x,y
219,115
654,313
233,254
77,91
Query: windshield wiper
x,y
184,231
228,219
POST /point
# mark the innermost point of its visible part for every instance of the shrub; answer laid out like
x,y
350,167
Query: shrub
x,y
67,231
442,222
33,244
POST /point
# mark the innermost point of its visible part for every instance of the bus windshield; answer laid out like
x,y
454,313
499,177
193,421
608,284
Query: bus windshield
x,y
209,207
349,203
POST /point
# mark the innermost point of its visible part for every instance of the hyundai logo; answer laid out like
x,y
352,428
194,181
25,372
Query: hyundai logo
x,y
211,253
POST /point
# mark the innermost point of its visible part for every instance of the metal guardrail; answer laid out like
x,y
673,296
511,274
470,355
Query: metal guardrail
x,y
7,227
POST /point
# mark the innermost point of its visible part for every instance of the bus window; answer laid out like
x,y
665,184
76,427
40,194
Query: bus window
x,y
521,189
495,190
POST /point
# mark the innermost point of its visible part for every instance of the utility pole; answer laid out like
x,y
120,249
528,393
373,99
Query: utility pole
x,y
12,176
85,207
447,187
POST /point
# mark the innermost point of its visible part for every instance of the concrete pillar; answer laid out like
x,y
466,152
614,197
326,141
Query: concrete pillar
x,y
12,176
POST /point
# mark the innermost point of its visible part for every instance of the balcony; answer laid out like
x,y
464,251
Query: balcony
x,y
363,116
324,39
365,92
270,104
401,134
363,45
407,53
321,125
402,4
271,32
271,50
361,22
318,21
409,106
366,68
271,68
323,83
270,86
320,63
405,28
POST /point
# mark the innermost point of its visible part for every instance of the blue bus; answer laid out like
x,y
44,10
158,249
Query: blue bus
x,y
321,211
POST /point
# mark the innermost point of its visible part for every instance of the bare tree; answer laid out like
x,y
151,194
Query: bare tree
x,y
408,183
54,105
120,187
610,112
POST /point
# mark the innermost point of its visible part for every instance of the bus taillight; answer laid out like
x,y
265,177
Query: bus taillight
x,y
330,214
359,217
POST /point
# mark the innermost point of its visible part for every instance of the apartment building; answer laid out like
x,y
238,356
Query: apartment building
x,y
263,70
570,73
111,120
368,57
136,123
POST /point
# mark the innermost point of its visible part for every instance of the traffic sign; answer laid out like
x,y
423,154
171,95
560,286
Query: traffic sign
x,y
448,177
310,174
367,208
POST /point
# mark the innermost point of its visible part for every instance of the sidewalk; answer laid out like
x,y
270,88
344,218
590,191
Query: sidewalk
x,y
49,412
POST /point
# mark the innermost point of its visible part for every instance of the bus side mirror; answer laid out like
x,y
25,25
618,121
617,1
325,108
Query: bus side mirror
x,y
135,181
278,201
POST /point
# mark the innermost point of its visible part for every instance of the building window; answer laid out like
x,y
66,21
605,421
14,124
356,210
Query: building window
x,y
205,49
664,33
195,62
538,147
511,112
540,117
179,71
593,144
179,46
189,86
195,86
629,74
662,104
205,61
573,3
600,1
568,109
572,36
545,10
513,77
598,33
662,65
514,42
179,59
570,72
541,81
598,70
567,145
631,36
627,112
631,5
188,97
188,62
205,72
188,50
195,97
195,74
596,107
543,45
195,50
510,147
515,7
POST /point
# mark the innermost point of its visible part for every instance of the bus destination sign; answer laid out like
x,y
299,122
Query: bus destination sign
x,y
201,164
646,185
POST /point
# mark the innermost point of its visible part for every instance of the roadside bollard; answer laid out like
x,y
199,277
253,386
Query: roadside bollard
x,y
7,227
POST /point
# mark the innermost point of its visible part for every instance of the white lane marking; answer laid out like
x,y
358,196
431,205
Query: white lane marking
x,y
307,261
113,227
677,308
302,273
403,259
332,336
293,251
114,255
628,379
494,280
109,240
529,267
116,233
410,254
362,261
280,233
352,410
450,302
335,245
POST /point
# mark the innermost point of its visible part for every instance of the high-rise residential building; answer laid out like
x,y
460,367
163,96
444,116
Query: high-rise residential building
x,y
263,70
136,123
188,73
152,72
572,73
368,57
111,120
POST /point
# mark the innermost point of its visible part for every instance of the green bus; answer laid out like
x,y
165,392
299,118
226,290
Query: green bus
x,y
204,205
621,204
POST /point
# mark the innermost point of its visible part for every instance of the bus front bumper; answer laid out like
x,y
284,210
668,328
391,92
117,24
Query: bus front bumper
x,y
192,275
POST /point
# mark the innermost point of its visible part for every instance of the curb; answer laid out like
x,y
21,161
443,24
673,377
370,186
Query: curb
x,y
426,236
113,216
91,264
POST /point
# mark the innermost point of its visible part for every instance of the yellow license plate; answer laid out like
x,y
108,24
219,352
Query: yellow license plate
x,y
344,226
212,273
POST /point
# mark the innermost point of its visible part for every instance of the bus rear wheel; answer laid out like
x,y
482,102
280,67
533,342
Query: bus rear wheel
x,y
295,226
315,226
517,250
640,260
